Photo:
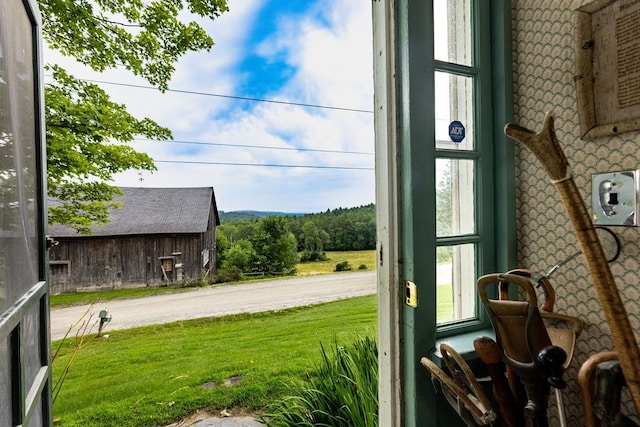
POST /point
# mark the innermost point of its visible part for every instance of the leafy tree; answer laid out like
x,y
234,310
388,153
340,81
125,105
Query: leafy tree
x,y
313,237
275,246
222,246
86,132
241,255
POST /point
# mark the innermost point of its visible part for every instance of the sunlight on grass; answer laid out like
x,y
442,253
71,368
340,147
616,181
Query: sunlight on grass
x,y
355,259
444,298
154,375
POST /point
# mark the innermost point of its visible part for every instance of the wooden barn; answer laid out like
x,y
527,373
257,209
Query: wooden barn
x,y
158,236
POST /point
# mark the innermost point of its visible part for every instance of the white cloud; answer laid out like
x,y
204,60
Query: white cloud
x,y
330,50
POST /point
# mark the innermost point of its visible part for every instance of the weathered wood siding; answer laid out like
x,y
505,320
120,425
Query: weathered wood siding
x,y
210,241
94,262
127,261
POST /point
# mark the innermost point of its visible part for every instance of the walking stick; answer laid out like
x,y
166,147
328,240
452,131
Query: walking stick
x,y
586,378
491,355
546,148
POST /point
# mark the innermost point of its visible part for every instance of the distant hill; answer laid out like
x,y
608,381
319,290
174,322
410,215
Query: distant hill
x,y
247,215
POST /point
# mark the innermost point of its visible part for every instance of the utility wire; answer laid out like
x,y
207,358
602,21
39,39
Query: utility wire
x,y
261,165
255,146
243,98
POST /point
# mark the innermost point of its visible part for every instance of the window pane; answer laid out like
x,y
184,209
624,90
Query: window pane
x,y
18,205
456,283
452,31
455,199
454,104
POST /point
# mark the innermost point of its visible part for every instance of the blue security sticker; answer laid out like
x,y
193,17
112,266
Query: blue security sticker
x,y
456,131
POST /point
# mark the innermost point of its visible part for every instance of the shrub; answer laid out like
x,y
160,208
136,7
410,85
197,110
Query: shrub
x,y
203,279
362,267
228,274
341,391
343,266
305,255
309,256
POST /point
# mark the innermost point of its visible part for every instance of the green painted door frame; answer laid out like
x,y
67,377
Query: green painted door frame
x,y
405,188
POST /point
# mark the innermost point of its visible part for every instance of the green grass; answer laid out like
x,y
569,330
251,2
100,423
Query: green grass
x,y
444,298
86,298
154,375
342,391
355,259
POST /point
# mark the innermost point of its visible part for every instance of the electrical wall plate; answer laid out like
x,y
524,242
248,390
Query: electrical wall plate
x,y
614,198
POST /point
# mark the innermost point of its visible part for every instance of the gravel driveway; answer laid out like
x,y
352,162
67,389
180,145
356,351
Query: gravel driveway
x,y
249,297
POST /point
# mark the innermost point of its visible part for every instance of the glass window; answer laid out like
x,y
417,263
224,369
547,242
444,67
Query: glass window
x,y
459,159
454,103
452,31
455,197
455,278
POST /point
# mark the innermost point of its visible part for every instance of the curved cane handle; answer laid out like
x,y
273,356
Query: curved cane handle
x,y
544,283
544,145
479,411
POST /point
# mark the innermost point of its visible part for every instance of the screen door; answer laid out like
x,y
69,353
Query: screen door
x,y
24,306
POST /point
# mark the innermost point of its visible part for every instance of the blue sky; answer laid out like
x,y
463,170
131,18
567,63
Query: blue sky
x,y
316,53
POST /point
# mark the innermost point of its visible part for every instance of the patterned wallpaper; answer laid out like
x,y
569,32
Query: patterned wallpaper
x,y
543,81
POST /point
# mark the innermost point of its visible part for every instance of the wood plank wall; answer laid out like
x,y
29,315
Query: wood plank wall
x,y
125,261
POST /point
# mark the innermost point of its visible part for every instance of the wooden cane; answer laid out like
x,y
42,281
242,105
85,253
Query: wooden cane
x,y
586,378
491,355
546,148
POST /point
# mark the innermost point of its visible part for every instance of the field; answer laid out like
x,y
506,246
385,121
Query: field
x,y
355,259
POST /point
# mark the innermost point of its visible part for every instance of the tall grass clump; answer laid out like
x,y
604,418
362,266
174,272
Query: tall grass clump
x,y
342,391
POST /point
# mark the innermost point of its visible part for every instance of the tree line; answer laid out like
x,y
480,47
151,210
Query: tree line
x,y
275,244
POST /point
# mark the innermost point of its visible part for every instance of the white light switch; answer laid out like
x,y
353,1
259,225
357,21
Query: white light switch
x,y
615,198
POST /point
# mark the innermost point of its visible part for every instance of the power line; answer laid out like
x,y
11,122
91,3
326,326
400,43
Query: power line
x,y
261,165
255,146
243,98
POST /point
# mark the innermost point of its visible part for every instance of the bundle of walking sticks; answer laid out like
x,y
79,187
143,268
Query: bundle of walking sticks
x,y
525,349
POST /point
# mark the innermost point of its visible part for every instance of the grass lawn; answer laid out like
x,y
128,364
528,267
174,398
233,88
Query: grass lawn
x,y
355,259
154,375
444,308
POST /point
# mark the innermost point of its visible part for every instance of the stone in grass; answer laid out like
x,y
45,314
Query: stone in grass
x,y
234,380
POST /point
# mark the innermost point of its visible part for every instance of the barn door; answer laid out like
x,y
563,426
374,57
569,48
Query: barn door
x,y
24,297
